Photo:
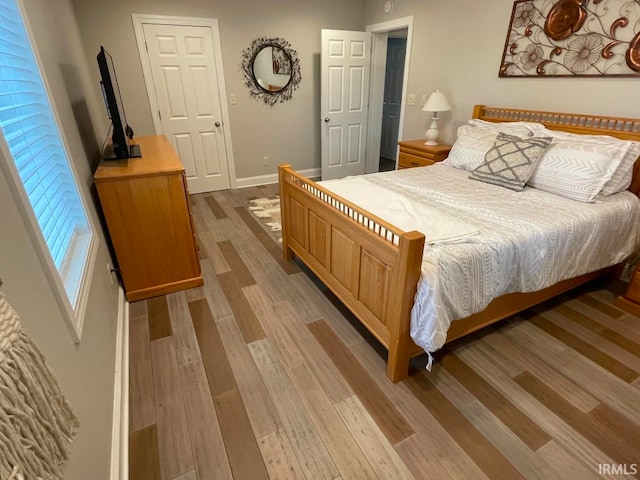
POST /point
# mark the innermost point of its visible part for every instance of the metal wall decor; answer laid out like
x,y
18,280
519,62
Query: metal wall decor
x,y
550,38
271,70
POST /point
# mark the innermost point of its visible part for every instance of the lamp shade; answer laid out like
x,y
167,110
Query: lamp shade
x,y
437,103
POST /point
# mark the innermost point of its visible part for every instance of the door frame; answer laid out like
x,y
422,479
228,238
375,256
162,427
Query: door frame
x,y
376,92
138,21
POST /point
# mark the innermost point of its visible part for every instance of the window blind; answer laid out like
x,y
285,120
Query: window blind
x,y
31,133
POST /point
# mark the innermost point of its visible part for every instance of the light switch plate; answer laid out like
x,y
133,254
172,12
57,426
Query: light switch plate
x,y
411,99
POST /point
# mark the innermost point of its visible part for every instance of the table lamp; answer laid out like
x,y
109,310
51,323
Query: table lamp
x,y
437,103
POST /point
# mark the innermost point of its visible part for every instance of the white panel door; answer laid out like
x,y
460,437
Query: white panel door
x,y
185,81
345,67
396,49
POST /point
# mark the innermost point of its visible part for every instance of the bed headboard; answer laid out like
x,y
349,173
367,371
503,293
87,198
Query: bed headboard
x,y
620,127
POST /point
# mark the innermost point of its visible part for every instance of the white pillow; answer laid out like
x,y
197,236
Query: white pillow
x,y
477,138
621,178
470,147
510,128
576,168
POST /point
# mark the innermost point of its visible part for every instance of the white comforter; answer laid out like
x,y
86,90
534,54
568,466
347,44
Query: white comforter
x,y
406,213
495,241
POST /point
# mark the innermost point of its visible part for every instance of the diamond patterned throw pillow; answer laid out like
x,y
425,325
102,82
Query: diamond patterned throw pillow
x,y
511,162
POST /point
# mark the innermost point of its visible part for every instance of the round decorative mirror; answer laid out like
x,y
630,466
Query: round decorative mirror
x,y
271,69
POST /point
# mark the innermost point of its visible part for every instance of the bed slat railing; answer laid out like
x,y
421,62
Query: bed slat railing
x,y
381,228
621,127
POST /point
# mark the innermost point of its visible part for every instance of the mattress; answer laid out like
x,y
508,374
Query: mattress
x,y
495,241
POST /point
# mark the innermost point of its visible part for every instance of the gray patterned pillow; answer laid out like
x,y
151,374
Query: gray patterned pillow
x,y
511,162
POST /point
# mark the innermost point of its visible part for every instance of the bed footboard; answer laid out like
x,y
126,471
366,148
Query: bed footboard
x,y
370,265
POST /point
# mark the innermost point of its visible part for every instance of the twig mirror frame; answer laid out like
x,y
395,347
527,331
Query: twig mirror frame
x,y
251,82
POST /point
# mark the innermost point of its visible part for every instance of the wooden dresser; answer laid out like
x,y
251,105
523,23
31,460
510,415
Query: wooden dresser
x,y
146,207
414,153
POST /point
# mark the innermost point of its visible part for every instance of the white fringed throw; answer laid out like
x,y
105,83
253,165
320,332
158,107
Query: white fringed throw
x,y
36,421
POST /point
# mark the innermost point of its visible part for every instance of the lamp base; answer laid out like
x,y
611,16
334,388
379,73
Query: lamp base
x,y
432,133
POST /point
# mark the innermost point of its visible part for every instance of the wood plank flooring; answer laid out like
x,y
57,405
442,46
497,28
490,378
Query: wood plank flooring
x,y
261,374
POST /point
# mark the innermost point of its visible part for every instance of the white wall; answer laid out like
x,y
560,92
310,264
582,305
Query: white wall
x,y
85,371
287,132
457,47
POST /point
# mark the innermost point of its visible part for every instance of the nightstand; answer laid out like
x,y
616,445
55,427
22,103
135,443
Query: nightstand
x,y
414,153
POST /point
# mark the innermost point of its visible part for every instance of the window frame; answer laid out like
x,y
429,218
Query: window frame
x,y
74,315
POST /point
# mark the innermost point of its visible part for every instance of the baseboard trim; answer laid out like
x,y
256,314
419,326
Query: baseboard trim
x,y
120,430
272,178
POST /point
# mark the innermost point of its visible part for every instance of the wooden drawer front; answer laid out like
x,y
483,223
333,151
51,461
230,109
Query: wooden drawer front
x,y
439,156
407,160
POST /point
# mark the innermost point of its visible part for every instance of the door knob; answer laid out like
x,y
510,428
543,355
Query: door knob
x,y
326,119
218,124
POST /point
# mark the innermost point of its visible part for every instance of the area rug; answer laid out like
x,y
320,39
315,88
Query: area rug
x,y
267,211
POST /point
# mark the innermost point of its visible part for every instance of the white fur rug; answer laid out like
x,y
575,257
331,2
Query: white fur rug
x,y
267,210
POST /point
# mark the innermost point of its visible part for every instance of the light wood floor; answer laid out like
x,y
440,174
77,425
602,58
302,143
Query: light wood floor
x,y
259,375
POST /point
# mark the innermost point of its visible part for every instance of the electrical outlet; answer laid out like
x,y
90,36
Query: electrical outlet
x,y
423,100
411,99
265,161
232,99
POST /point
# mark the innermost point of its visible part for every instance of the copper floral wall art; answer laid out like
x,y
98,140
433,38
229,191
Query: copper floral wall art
x,y
549,38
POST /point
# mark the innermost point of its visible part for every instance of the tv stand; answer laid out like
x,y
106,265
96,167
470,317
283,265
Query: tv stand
x,y
146,208
135,151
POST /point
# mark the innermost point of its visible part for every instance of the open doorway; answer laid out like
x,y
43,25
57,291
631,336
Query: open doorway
x,y
389,74
392,100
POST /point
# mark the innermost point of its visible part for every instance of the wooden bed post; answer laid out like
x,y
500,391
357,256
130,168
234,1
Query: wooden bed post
x,y
401,346
477,111
284,211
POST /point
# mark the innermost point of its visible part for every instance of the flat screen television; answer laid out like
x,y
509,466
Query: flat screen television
x,y
121,140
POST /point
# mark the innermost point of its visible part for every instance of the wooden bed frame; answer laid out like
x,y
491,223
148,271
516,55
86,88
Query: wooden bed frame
x,y
373,267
